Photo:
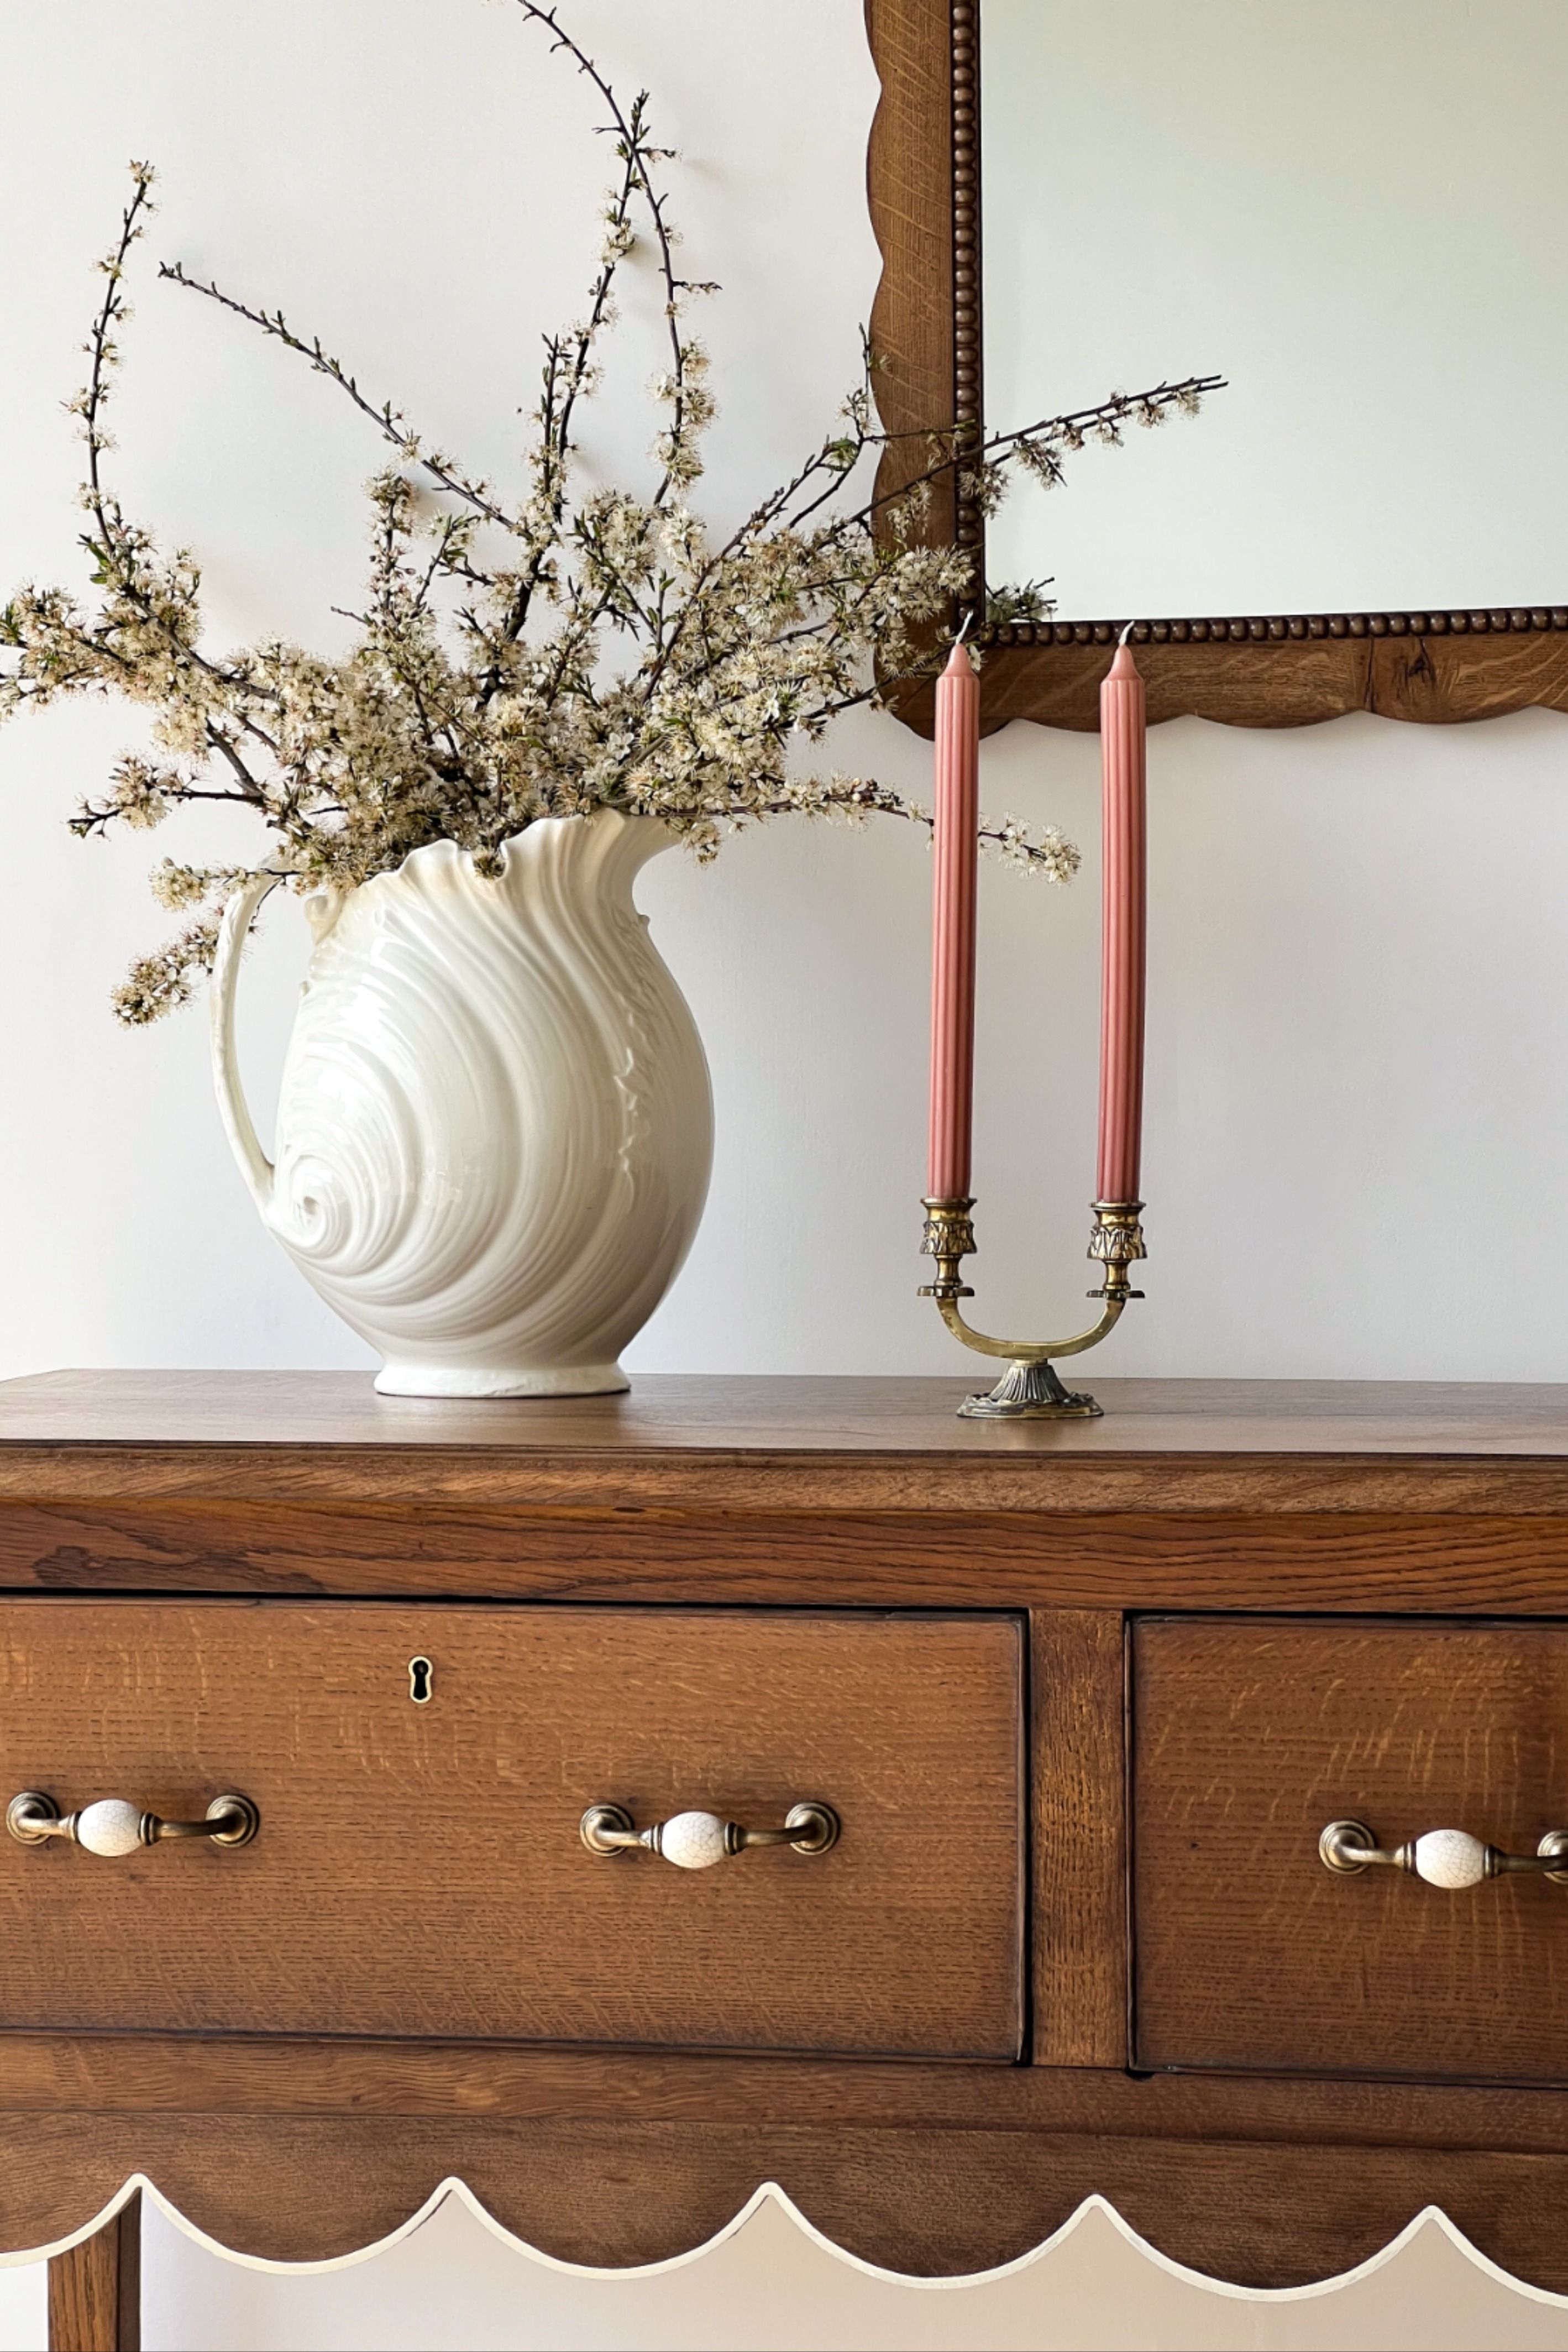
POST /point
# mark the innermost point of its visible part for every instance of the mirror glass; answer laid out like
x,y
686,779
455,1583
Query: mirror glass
x,y
1356,211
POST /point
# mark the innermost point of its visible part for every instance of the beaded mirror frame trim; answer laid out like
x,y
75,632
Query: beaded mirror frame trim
x,y
1242,669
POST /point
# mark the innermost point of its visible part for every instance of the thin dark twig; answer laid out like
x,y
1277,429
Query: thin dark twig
x,y
388,421
639,156
106,513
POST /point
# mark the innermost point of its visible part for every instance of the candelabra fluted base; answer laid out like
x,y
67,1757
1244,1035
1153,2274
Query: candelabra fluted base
x,y
1029,1392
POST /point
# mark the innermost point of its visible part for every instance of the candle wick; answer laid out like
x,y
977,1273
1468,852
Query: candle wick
x,y
1126,633
968,619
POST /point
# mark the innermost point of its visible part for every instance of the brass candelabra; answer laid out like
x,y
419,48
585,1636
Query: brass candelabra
x,y
1030,1390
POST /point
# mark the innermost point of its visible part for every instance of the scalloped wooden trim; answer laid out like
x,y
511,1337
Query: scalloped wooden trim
x,y
1251,2212
910,187
316,2152
769,2193
1244,670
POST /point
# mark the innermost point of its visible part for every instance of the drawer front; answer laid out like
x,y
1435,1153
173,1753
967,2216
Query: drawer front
x,y
1249,1739
419,1868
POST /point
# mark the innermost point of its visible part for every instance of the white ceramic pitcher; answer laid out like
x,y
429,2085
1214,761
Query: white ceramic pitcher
x,y
495,1129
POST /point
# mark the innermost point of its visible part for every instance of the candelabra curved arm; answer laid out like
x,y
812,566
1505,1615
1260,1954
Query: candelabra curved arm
x,y
1030,1388
1025,1351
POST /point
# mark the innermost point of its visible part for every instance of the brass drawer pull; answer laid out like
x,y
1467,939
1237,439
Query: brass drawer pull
x,y
115,1826
1449,1858
696,1840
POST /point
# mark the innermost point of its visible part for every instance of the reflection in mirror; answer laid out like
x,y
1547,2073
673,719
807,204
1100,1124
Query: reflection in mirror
x,y
1359,215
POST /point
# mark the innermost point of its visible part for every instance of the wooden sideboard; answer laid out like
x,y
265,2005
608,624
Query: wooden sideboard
x,y
1081,1699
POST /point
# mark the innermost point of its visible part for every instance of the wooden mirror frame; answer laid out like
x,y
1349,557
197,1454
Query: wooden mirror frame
x,y
1246,670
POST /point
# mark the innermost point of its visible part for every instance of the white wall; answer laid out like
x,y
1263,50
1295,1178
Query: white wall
x,y
1359,1000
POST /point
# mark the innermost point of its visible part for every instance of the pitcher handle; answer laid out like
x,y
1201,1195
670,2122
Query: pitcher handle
x,y
239,915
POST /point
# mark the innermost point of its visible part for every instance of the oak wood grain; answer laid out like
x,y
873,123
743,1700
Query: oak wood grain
x,y
1286,674
708,1416
95,2289
1249,1737
919,2201
263,2076
1213,1496
419,1869
1129,1484
789,1445
909,189
1415,1561
1080,1929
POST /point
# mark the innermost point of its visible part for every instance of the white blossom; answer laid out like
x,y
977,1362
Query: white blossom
x,y
518,658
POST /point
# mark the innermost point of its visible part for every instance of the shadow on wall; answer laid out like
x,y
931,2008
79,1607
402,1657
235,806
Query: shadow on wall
x,y
771,2281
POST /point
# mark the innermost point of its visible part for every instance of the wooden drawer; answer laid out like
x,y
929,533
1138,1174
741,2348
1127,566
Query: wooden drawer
x,y
1249,1738
419,1869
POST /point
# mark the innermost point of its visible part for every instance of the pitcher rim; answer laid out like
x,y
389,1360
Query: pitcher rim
x,y
325,892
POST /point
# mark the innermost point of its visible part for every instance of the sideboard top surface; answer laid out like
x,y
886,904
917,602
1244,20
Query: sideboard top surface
x,y
793,1443
713,1413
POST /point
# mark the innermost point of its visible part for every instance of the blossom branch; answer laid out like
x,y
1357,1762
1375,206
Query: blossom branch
x,y
390,422
480,696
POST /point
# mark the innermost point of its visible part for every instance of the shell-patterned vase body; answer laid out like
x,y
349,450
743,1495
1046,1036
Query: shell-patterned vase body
x,y
495,1129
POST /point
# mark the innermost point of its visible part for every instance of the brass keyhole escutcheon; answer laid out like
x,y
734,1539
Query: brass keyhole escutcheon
x,y
420,1677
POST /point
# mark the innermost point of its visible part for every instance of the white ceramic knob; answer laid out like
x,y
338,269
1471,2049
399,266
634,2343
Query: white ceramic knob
x,y
694,1840
1451,1858
112,1826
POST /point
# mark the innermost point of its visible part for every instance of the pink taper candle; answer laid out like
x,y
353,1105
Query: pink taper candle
x,y
955,844
1121,746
